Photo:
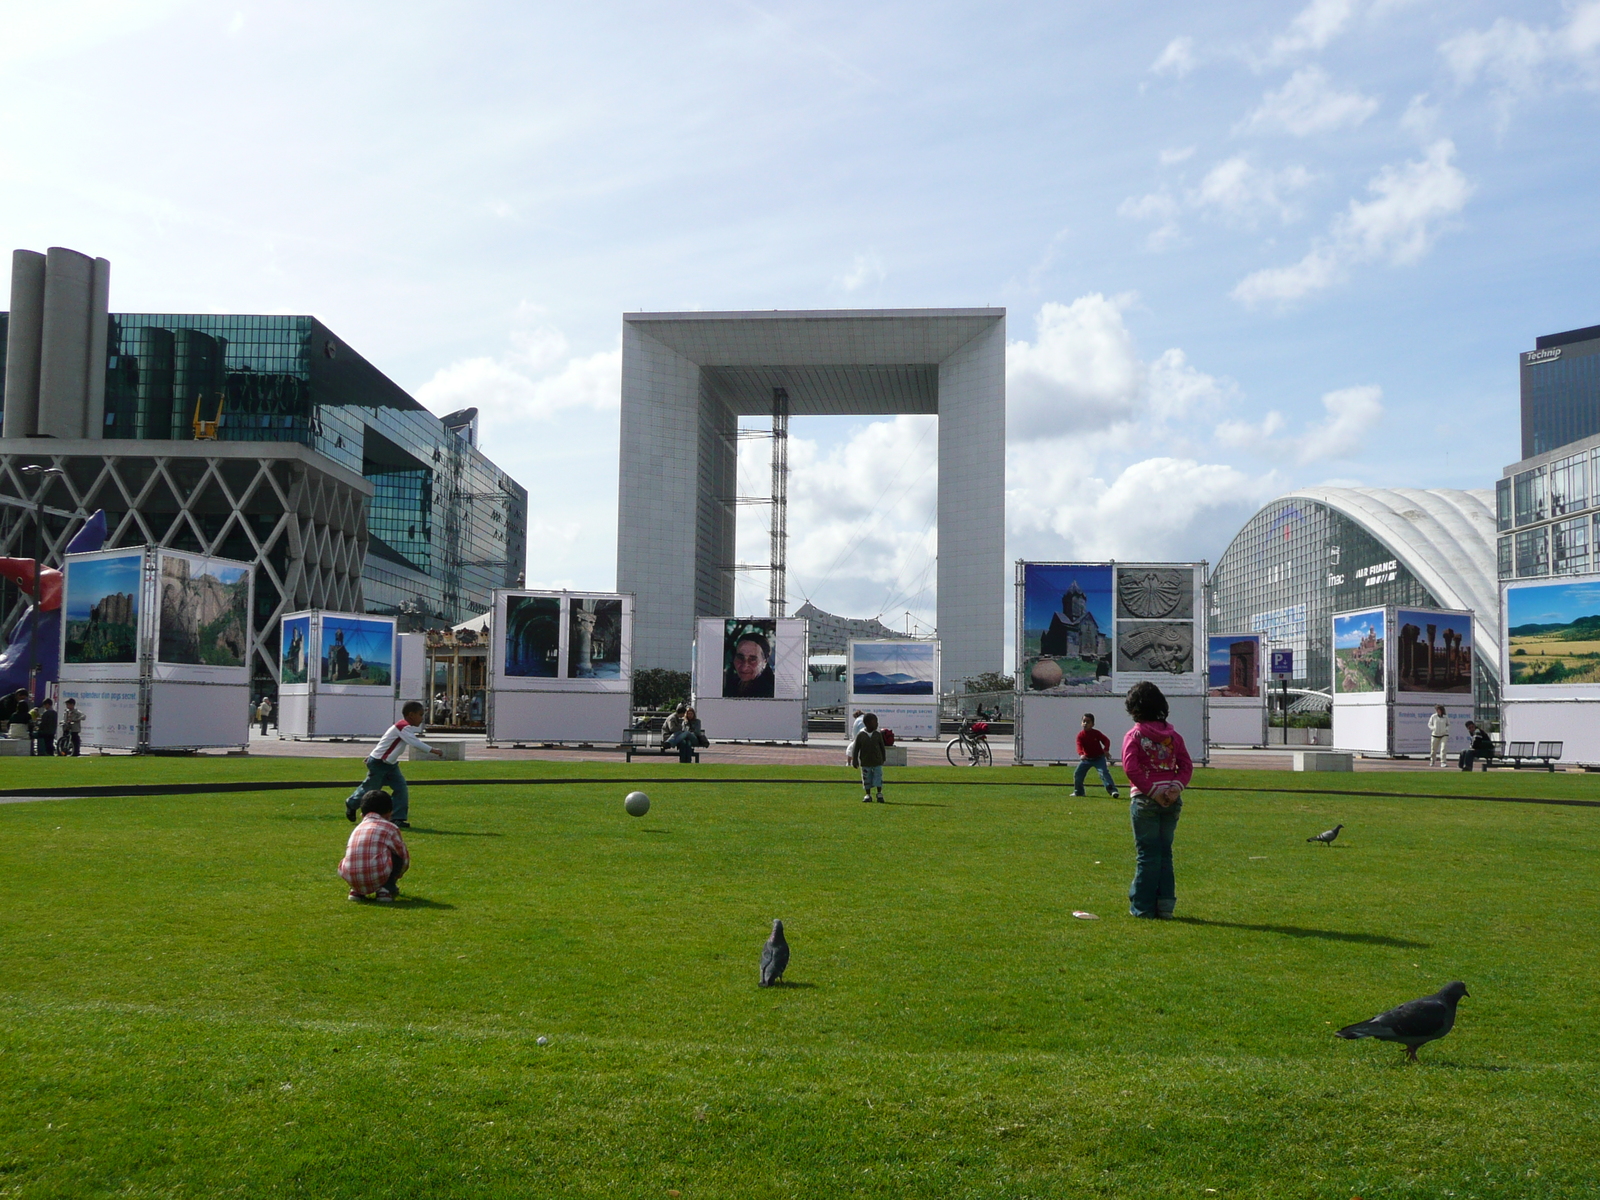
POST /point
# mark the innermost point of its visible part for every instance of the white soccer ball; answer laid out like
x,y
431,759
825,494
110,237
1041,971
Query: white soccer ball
x,y
544,1041
637,804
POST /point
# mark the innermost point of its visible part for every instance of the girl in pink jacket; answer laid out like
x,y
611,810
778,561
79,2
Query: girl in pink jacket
x,y
1157,765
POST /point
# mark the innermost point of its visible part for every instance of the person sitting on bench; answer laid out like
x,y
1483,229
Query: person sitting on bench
x,y
1482,748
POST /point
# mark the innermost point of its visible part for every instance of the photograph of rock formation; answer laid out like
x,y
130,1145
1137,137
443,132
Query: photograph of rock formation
x,y
205,611
102,609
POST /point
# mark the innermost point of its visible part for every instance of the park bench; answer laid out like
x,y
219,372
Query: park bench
x,y
645,737
1534,754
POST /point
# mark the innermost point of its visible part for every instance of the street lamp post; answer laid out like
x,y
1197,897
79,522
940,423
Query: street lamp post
x,y
43,476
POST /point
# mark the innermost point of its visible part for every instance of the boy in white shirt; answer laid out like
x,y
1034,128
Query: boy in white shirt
x,y
383,765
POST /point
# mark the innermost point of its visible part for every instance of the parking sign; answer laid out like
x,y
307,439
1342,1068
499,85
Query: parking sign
x,y
1282,664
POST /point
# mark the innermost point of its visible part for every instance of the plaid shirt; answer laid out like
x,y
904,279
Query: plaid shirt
x,y
371,854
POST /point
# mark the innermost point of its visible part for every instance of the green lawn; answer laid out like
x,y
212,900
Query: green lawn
x,y
190,1007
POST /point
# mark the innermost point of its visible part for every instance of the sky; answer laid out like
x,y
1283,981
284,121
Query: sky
x,y
1242,248
1350,628
1551,604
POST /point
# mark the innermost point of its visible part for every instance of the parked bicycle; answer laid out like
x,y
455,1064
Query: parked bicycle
x,y
970,746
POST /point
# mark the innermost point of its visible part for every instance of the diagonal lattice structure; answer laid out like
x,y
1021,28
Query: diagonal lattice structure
x,y
298,516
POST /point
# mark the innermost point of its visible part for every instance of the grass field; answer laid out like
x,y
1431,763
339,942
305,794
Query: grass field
x,y
191,1007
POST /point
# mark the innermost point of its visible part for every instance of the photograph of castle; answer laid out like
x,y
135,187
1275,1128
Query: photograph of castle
x,y
293,663
1066,627
1358,652
356,651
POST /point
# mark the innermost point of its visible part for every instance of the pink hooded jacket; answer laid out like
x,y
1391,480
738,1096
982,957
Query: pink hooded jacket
x,y
1153,753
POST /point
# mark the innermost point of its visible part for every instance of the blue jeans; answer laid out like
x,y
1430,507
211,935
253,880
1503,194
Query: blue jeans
x,y
1082,773
383,775
1154,892
872,777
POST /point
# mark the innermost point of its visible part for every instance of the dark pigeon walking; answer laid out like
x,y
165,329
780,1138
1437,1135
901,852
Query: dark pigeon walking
x,y
1415,1023
774,956
1326,836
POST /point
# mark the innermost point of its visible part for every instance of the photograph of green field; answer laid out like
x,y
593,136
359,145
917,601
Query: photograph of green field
x,y
1553,633
190,1007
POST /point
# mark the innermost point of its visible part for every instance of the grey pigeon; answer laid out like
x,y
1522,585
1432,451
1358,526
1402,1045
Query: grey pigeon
x,y
1415,1023
774,956
1326,836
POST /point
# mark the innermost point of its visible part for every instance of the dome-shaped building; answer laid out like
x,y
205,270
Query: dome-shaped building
x,y
1323,550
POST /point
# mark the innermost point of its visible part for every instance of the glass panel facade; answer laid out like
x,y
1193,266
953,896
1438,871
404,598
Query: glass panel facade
x,y
1502,504
1569,485
446,526
1570,546
1504,560
1533,552
1560,398
1531,502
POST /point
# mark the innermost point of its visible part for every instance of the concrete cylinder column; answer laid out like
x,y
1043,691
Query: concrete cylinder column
x,y
22,344
69,360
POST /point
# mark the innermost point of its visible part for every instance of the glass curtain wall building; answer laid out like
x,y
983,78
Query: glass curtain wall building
x,y
446,526
1546,510
1316,552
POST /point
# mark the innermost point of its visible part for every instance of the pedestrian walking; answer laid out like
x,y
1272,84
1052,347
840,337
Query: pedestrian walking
x,y
1093,747
72,728
1438,735
1158,768
264,713
44,728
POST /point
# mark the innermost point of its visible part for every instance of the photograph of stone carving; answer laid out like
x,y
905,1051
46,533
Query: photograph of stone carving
x,y
1155,647
594,639
102,609
533,636
1066,627
1151,593
205,611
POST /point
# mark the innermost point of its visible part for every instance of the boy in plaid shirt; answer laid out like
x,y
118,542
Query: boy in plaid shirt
x,y
376,856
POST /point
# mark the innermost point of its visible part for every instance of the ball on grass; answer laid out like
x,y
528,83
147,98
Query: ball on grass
x,y
637,804
544,1041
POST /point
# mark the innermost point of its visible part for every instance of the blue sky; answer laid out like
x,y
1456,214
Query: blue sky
x,y
1551,603
93,580
1244,247
1349,629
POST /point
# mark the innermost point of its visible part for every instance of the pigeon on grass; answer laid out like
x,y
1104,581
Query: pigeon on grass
x,y
1415,1023
774,956
1327,835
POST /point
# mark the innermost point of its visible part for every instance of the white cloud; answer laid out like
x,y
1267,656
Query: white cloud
x,y
530,382
1518,59
866,270
1177,59
1160,207
1352,415
1157,508
1309,103
1421,119
1171,157
1409,205
1312,28
1243,193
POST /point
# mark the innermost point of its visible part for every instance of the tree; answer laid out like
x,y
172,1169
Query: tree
x,y
657,687
989,681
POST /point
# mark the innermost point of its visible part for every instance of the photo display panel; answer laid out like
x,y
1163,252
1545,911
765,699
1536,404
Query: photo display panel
x,y
1433,655
101,608
356,653
562,641
1233,666
1550,639
1065,628
899,671
1157,626
1360,643
294,650
202,618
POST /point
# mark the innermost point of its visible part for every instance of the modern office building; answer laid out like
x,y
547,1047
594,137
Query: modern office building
x,y
1323,550
264,438
687,378
1546,504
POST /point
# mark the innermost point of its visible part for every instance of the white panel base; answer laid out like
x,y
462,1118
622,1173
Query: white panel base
x,y
907,720
1049,725
294,713
1363,727
559,716
185,715
411,649
1238,724
753,720
1574,722
1411,734
110,712
353,716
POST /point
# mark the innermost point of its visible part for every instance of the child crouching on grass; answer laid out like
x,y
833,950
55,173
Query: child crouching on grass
x,y
376,855
1157,765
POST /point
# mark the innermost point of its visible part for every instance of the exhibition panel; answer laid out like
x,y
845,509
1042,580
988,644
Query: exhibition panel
x,y
1550,666
751,676
1089,630
1392,667
1237,699
898,679
337,674
560,667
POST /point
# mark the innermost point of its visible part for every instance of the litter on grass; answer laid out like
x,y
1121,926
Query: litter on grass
x,y
1084,916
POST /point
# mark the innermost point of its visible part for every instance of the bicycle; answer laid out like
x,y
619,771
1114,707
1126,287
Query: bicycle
x,y
970,746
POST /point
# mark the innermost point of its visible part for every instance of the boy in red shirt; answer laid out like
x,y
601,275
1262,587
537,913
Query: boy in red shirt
x,y
1093,746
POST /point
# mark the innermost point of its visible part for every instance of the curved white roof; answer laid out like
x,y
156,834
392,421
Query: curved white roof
x,y
1444,536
